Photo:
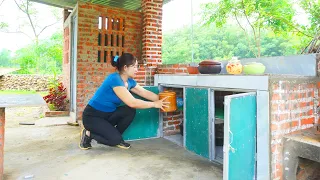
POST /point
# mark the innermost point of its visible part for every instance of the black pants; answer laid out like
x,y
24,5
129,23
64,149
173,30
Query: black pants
x,y
107,127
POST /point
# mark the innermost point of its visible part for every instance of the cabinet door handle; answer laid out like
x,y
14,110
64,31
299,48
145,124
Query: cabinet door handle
x,y
231,140
230,137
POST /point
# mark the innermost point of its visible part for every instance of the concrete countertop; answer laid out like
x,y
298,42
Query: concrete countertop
x,y
21,100
310,136
245,82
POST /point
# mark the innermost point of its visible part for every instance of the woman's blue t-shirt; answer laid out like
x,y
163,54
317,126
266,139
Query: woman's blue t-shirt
x,y
104,98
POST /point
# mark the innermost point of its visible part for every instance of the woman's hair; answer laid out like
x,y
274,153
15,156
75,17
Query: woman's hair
x,y
126,59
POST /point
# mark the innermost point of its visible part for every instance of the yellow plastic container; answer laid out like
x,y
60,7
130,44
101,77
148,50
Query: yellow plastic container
x,y
171,98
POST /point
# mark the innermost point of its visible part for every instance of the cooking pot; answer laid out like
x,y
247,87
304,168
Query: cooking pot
x,y
209,67
171,98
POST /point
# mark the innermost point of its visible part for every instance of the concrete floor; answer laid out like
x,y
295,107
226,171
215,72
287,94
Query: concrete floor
x,y
53,153
177,139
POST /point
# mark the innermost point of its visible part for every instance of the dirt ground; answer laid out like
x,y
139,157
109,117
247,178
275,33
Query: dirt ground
x,y
33,152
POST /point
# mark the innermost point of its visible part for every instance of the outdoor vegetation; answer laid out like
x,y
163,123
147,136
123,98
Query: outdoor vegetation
x,y
41,55
241,28
245,29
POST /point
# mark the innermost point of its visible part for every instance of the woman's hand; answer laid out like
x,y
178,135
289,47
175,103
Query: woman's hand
x,y
161,104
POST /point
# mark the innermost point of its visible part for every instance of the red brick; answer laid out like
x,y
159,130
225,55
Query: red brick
x,y
2,137
275,96
56,113
294,123
307,121
286,125
283,116
174,122
275,86
151,32
279,172
274,148
303,104
274,127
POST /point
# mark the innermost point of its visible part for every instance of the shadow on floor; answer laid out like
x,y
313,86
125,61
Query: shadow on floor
x,y
53,153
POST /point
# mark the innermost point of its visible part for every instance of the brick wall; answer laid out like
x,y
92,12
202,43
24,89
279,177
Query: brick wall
x,y
2,135
66,49
318,63
171,120
172,69
66,57
120,31
292,104
152,31
145,75
104,31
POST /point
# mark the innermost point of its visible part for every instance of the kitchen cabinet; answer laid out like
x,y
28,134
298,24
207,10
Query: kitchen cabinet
x,y
238,114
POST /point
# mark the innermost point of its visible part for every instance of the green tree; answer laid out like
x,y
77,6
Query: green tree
x,y
44,57
252,16
221,44
312,8
3,25
30,20
176,46
5,58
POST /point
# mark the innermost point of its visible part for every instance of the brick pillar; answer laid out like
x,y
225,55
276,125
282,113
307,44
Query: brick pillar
x,y
152,32
66,14
292,109
2,122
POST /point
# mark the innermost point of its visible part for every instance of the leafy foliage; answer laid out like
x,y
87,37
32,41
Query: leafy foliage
x,y
42,58
5,57
312,8
222,44
3,25
57,97
252,16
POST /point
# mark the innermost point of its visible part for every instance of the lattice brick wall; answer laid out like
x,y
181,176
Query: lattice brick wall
x,y
111,37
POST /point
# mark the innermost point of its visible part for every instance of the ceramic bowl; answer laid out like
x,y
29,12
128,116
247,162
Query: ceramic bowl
x,y
254,68
193,70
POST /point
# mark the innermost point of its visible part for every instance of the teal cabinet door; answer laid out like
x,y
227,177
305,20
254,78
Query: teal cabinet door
x,y
240,137
146,122
197,121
